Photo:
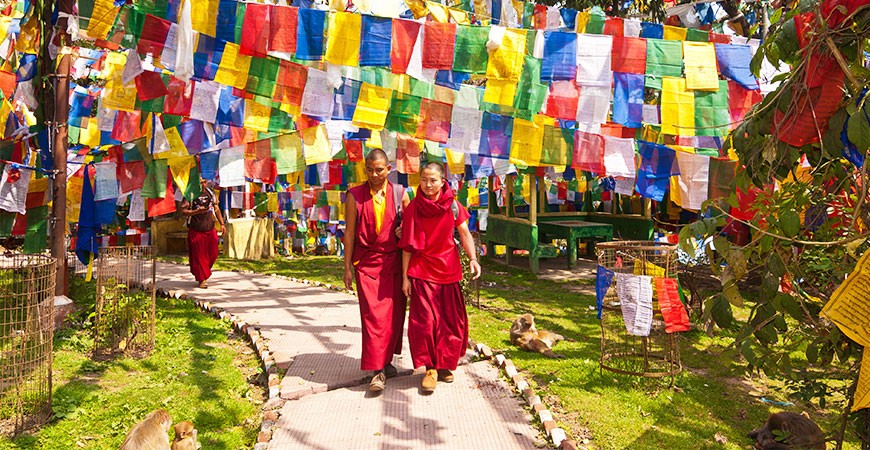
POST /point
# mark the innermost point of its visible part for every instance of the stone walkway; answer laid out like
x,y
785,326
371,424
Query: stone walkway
x,y
314,334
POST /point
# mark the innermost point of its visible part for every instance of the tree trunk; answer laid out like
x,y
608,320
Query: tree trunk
x,y
735,16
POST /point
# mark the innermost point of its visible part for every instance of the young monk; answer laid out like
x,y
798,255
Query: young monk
x,y
373,259
438,324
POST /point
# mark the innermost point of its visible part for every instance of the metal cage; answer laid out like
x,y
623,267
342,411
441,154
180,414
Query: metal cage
x,y
125,301
656,355
27,285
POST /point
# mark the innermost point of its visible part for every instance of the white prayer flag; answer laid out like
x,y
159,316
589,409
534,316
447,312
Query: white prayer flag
x,y
593,105
631,27
105,181
186,38
694,179
624,186
619,157
317,98
465,131
13,189
593,60
137,207
635,299
204,104
231,167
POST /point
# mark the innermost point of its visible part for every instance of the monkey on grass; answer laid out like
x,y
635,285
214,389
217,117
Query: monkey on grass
x,y
526,336
185,436
786,430
151,433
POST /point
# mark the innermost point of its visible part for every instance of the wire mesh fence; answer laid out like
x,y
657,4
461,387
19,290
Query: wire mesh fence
x,y
655,355
125,307
26,331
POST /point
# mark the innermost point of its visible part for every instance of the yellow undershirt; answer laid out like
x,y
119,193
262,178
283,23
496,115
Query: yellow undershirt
x,y
379,200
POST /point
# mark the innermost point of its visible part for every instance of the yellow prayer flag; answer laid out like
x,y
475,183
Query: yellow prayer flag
x,y
675,191
374,141
338,5
37,185
359,171
675,33
343,39
682,148
316,148
527,142
257,116
5,21
177,149
506,62
418,7
582,21
847,306
74,187
439,12
333,198
460,17
272,202
233,70
444,95
102,18
473,196
180,168
500,92
402,83
455,161
5,109
90,135
28,37
678,107
113,65
203,17
372,106
413,180
701,70
862,391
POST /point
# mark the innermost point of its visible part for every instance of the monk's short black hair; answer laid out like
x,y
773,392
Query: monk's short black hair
x,y
377,154
434,166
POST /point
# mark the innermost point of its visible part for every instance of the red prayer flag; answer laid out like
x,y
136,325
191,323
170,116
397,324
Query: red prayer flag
x,y
674,314
126,127
153,38
617,130
588,152
290,84
614,27
740,101
149,85
7,83
179,97
435,120
439,39
809,115
283,23
354,150
540,17
629,55
562,101
165,205
19,228
407,154
404,37
131,175
255,30
336,171
719,38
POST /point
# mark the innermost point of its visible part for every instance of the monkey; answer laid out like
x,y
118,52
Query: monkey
x,y
786,430
185,436
151,433
526,336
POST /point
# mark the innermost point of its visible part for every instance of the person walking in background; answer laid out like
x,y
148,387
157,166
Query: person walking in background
x,y
372,258
431,272
202,239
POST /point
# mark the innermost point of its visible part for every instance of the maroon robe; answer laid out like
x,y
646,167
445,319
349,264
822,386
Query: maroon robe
x,y
377,262
202,248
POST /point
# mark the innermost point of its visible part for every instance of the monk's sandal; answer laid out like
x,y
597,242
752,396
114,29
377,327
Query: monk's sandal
x,y
430,380
379,380
445,375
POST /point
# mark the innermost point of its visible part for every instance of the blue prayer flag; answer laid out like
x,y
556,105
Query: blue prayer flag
x,y
495,135
628,99
88,226
346,97
193,136
603,280
208,164
657,165
569,16
451,79
560,56
207,57
226,21
734,64
309,34
377,33
231,109
652,30
496,12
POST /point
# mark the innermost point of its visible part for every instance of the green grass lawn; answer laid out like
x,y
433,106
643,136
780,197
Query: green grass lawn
x,y
711,397
200,371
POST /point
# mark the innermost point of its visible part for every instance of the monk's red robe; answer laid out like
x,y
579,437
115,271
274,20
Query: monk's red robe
x,y
202,247
437,321
378,267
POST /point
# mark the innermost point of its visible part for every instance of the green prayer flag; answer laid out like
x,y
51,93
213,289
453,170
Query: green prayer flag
x,y
377,76
695,35
262,75
171,121
280,122
712,116
240,20
404,113
596,21
193,188
528,14
434,151
154,105
470,53
7,221
73,134
663,59
530,92
261,202
154,7
422,89
154,185
558,146
289,157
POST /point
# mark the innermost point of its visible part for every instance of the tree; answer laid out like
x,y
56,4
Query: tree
x,y
803,151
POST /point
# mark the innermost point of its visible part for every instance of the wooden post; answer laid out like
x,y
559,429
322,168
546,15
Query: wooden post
x,y
57,114
533,220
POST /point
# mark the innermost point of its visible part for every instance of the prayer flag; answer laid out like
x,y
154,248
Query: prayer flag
x,y
740,101
506,61
722,173
179,97
233,69
231,167
465,130
629,55
563,99
712,116
376,40
672,33
635,298
130,175
657,165
404,113
290,85
102,19
734,64
204,20
619,157
343,44
652,30
663,59
558,145
255,30
288,154
500,92
371,109
628,93
404,37
470,54
495,138
407,154
149,85
317,98
560,56
678,108
346,97
434,121
439,40
614,27
283,29
593,60
693,180
154,33
527,142
701,73
673,312
593,105
588,152
309,34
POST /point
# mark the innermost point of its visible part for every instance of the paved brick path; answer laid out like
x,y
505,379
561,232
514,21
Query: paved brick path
x,y
314,334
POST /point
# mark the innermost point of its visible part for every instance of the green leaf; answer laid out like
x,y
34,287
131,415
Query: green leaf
x,y
766,243
812,352
748,354
790,222
767,335
732,293
791,306
720,311
774,18
775,264
832,145
859,130
685,241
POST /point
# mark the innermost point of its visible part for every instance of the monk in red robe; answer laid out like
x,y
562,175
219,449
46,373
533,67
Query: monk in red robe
x,y
431,272
372,258
202,238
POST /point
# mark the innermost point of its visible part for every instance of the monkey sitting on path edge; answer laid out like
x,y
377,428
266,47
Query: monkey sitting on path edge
x,y
151,433
185,436
526,336
786,430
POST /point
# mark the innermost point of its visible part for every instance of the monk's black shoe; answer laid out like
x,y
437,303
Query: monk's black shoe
x,y
390,370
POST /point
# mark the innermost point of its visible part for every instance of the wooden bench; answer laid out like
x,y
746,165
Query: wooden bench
x,y
574,231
